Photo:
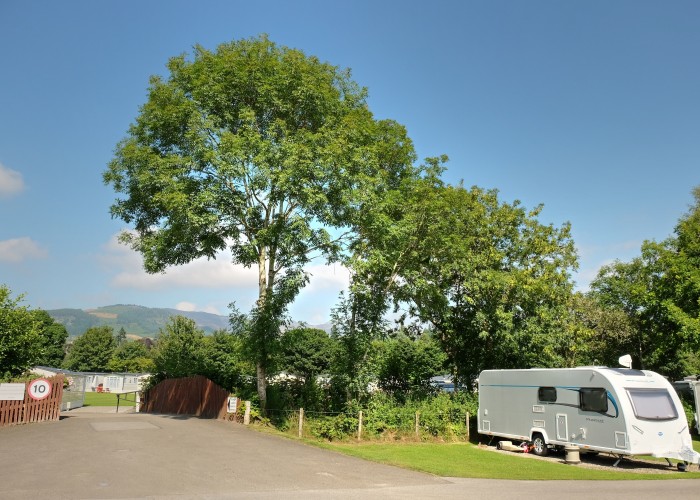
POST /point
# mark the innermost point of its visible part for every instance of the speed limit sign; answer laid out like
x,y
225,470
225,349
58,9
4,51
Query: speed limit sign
x,y
39,389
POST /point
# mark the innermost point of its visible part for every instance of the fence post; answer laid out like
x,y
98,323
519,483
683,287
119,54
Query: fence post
x,y
246,417
359,427
301,420
467,426
417,424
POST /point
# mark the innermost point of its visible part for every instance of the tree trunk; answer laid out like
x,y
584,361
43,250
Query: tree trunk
x,y
262,356
262,385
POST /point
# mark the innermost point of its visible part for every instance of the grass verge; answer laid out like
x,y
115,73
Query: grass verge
x,y
468,460
106,399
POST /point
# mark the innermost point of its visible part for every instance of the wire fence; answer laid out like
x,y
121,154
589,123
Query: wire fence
x,y
442,417
386,423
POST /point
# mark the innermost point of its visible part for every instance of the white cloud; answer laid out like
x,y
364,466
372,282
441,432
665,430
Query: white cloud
x,y
185,306
333,277
211,309
317,317
203,273
11,182
21,249
200,273
585,275
190,282
192,307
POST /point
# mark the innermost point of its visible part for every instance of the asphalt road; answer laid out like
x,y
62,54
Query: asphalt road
x,y
127,455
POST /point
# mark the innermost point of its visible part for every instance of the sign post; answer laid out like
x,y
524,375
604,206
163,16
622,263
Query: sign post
x,y
12,392
39,389
232,406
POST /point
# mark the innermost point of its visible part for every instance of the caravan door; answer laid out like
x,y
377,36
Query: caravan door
x,y
562,427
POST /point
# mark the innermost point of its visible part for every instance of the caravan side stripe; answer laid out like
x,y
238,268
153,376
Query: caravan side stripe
x,y
570,388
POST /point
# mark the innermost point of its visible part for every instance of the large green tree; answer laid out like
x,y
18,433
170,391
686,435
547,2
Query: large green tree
x,y
491,279
306,352
53,337
224,360
260,149
659,292
131,356
599,335
406,365
357,320
683,277
20,336
92,351
178,349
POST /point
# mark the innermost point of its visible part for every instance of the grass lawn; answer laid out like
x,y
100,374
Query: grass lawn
x,y
107,399
468,460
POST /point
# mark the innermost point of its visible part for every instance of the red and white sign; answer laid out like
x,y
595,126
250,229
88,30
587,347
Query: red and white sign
x,y
39,389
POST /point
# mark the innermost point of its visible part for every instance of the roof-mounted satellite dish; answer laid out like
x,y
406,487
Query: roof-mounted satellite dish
x,y
625,361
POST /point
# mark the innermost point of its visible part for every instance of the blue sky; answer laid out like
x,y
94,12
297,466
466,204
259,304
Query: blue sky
x,y
591,108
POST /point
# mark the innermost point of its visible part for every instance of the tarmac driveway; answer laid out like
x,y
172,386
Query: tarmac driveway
x,y
127,455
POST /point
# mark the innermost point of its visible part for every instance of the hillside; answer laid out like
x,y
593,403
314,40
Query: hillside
x,y
137,320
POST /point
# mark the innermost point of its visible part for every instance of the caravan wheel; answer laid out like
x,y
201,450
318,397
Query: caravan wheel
x,y
539,447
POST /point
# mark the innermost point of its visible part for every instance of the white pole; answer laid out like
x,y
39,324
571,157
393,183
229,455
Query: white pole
x,y
359,428
246,417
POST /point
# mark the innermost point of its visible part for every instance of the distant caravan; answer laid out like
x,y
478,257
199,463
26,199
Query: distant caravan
x,y
613,410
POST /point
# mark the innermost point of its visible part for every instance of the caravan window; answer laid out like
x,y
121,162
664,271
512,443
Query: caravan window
x,y
652,404
547,394
593,399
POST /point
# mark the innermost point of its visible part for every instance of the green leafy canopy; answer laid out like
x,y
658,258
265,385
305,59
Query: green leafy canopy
x,y
260,149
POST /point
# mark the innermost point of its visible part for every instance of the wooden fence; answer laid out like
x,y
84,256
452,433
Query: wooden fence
x,y
30,410
197,396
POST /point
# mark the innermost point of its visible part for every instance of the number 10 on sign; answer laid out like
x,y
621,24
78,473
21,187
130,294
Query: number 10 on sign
x,y
39,389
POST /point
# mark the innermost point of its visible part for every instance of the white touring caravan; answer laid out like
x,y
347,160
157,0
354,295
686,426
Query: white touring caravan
x,y
614,410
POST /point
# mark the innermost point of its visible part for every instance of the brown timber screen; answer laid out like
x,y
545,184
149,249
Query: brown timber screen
x,y
29,410
197,396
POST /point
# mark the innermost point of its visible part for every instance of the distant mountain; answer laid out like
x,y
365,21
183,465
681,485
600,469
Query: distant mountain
x,y
138,320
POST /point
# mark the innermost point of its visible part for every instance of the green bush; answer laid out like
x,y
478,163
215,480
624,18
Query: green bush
x,y
333,428
440,417
255,415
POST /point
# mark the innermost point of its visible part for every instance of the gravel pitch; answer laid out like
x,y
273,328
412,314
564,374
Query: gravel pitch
x,y
604,461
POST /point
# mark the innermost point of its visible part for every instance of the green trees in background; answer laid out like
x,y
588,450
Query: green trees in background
x,y
405,366
496,282
600,334
306,352
659,293
92,351
182,350
20,336
225,361
121,337
260,149
357,321
275,156
492,281
27,337
178,349
131,356
53,337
